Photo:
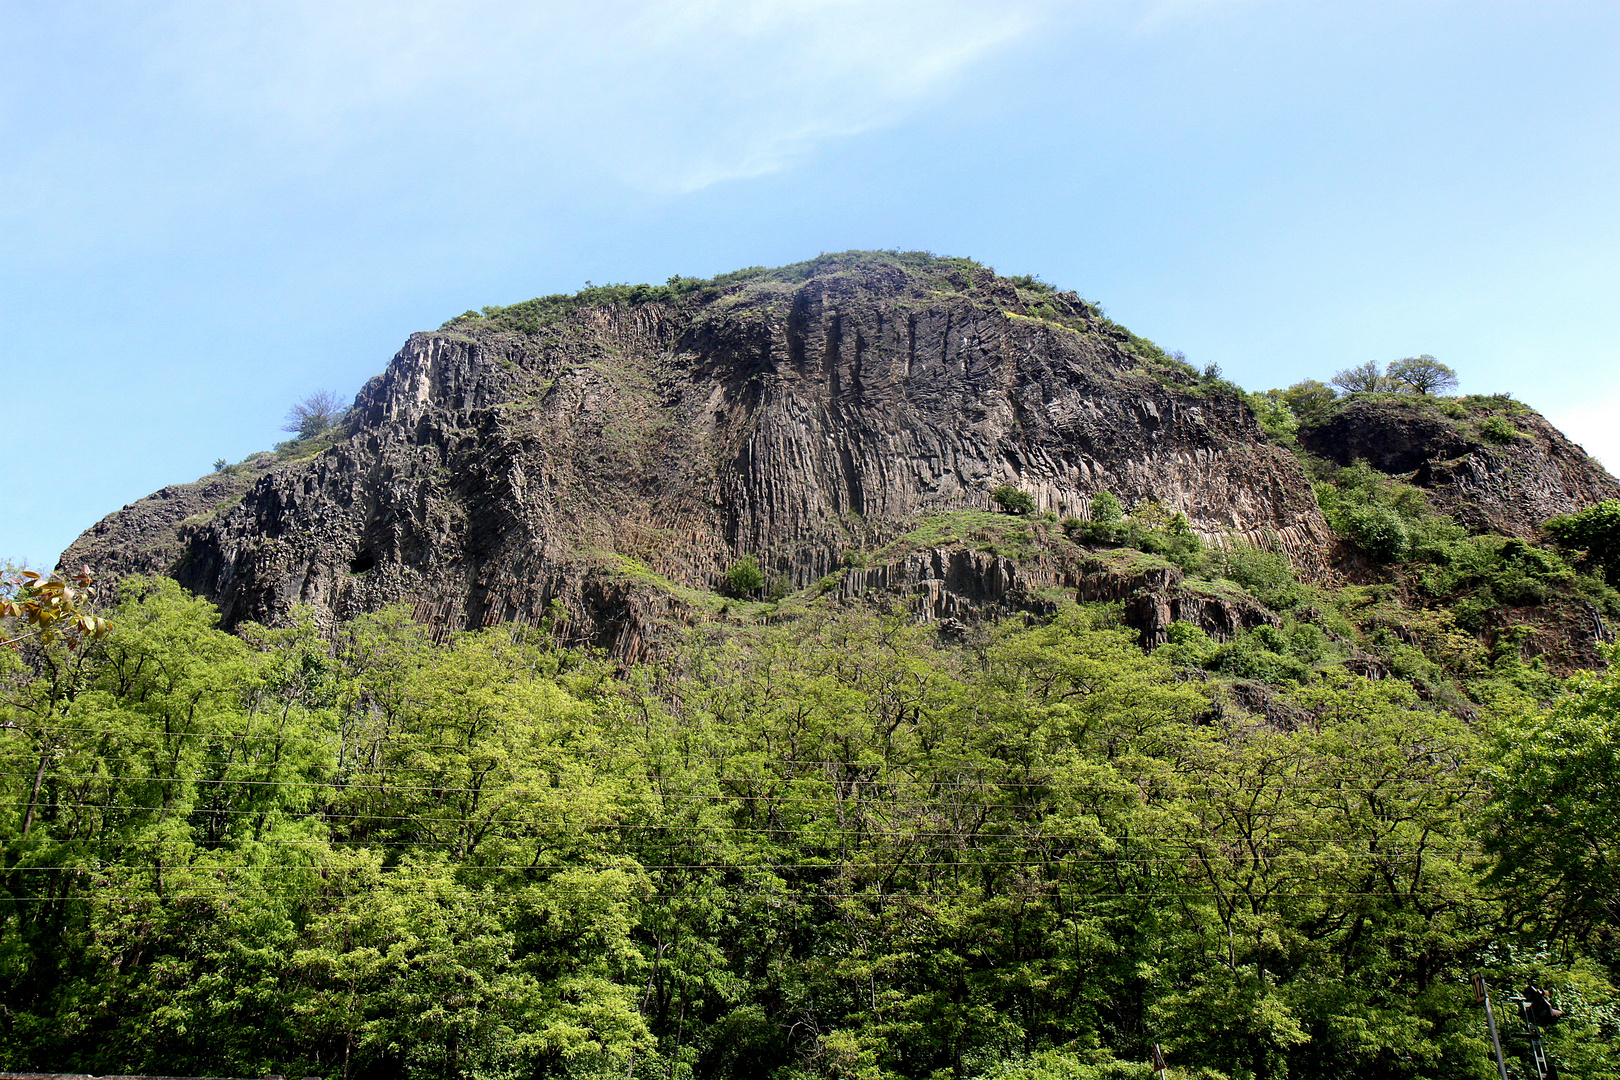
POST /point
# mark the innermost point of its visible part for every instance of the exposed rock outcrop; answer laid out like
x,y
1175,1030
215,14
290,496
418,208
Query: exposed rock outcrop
x,y
1493,464
964,585
793,415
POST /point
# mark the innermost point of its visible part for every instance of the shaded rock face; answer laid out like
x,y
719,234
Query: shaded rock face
x,y
1510,484
488,474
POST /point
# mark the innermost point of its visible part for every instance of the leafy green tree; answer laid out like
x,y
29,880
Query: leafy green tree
x,y
743,578
1422,375
1275,416
1308,397
827,847
1013,500
1555,823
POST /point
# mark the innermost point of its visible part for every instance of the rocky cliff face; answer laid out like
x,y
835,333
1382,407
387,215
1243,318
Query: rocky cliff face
x,y
1491,463
510,462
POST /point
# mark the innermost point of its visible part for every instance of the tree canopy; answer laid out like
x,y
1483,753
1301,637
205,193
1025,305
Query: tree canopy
x,y
832,847
1414,374
1422,374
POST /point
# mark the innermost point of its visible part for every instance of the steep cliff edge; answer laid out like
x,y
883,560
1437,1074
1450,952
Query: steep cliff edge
x,y
793,414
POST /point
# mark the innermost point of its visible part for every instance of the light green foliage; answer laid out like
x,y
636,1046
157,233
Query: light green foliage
x,y
1421,375
1264,654
743,578
1151,527
1415,375
1013,500
1383,517
1275,416
1307,397
1557,825
1596,531
826,848
1481,574
1266,574
1105,509
780,587
1498,429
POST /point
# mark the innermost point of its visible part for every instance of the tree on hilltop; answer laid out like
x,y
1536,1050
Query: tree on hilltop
x,y
1422,374
1364,379
1413,375
1308,396
315,415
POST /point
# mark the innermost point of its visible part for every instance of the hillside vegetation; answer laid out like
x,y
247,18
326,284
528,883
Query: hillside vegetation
x,y
871,668
834,847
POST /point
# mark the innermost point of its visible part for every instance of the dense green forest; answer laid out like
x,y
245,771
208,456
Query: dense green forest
x,y
835,845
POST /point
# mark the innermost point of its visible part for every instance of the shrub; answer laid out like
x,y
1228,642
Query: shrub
x,y
780,587
1385,518
1377,530
1012,500
1186,646
1182,548
743,578
1595,530
1105,509
1496,429
1269,576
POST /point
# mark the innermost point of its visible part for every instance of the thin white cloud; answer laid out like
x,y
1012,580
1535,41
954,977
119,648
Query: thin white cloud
x,y
666,95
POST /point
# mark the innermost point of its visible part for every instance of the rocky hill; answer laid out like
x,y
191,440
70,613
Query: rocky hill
x,y
600,460
519,457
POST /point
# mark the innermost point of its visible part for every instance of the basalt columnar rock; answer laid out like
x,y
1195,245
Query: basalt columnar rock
x,y
601,459
507,460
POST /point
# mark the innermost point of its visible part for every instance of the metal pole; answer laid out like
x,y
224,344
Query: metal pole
x,y
1496,1040
1483,998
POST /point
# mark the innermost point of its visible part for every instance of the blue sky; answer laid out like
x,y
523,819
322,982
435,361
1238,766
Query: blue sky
x,y
208,210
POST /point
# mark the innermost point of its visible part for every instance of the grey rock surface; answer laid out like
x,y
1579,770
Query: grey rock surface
x,y
494,474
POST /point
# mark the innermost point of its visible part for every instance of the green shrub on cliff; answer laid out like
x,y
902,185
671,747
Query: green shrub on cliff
x,y
1595,531
1383,517
1013,500
742,578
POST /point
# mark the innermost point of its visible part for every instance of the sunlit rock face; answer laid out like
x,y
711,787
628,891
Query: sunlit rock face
x,y
514,466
